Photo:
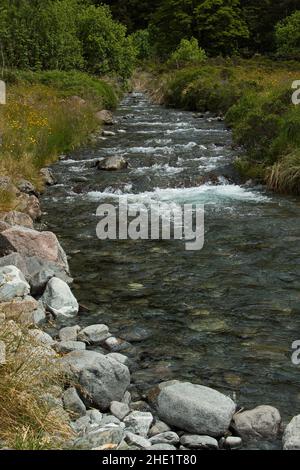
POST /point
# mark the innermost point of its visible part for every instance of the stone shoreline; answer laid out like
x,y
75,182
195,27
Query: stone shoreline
x,y
35,289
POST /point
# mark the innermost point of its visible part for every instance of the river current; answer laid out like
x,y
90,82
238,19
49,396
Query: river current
x,y
225,316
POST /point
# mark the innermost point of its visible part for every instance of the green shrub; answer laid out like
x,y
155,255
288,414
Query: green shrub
x,y
288,37
187,53
141,42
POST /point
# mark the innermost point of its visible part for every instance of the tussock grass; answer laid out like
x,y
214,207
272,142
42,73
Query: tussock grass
x,y
27,421
284,176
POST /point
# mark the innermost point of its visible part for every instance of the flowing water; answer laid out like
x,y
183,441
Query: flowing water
x,y
225,316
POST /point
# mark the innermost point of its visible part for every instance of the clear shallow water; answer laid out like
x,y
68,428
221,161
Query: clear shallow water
x,y
224,316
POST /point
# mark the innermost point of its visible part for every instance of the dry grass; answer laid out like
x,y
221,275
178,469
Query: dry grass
x,y
284,176
27,421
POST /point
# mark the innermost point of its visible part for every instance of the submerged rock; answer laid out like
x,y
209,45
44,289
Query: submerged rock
x,y
59,299
261,422
112,164
101,379
193,408
47,177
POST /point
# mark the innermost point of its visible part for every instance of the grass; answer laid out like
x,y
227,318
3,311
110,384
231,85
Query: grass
x,y
255,98
27,421
42,120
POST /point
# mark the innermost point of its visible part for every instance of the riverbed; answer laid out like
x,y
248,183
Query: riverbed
x,y
225,316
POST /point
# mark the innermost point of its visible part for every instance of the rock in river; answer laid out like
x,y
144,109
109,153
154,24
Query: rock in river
x,y
101,379
261,422
59,299
291,437
112,164
193,408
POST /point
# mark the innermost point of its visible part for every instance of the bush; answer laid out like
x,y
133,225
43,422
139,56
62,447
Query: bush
x,y
288,37
141,42
106,48
187,53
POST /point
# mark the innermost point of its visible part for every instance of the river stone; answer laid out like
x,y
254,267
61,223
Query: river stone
x,y
41,337
165,438
102,437
162,447
2,353
27,187
194,408
94,334
69,346
112,164
199,442
119,409
12,284
291,436
18,218
69,333
95,417
73,403
30,205
261,422
139,423
59,299
47,177
30,242
105,116
233,442
101,379
136,440
15,259
120,358
40,271
159,428
110,419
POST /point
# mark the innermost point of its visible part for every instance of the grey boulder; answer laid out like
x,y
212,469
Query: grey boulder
x,y
261,422
199,442
194,408
59,299
12,284
139,423
73,403
101,379
291,436
93,334
112,164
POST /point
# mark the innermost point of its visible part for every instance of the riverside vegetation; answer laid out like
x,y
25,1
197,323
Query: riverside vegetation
x,y
64,62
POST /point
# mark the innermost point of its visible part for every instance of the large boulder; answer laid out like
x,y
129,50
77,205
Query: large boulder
x,y
30,242
261,422
112,164
193,408
101,379
12,284
26,311
105,117
47,177
59,300
94,334
30,205
17,218
291,437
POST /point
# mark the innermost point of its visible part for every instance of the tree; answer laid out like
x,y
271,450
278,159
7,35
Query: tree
x,y
287,34
105,46
220,26
187,53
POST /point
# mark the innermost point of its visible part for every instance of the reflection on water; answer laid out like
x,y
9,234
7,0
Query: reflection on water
x,y
224,316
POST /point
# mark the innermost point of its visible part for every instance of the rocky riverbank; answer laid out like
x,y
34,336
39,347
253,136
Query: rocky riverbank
x,y
95,397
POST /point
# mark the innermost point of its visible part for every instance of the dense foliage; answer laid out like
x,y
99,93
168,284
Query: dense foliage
x,y
221,26
63,35
288,36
